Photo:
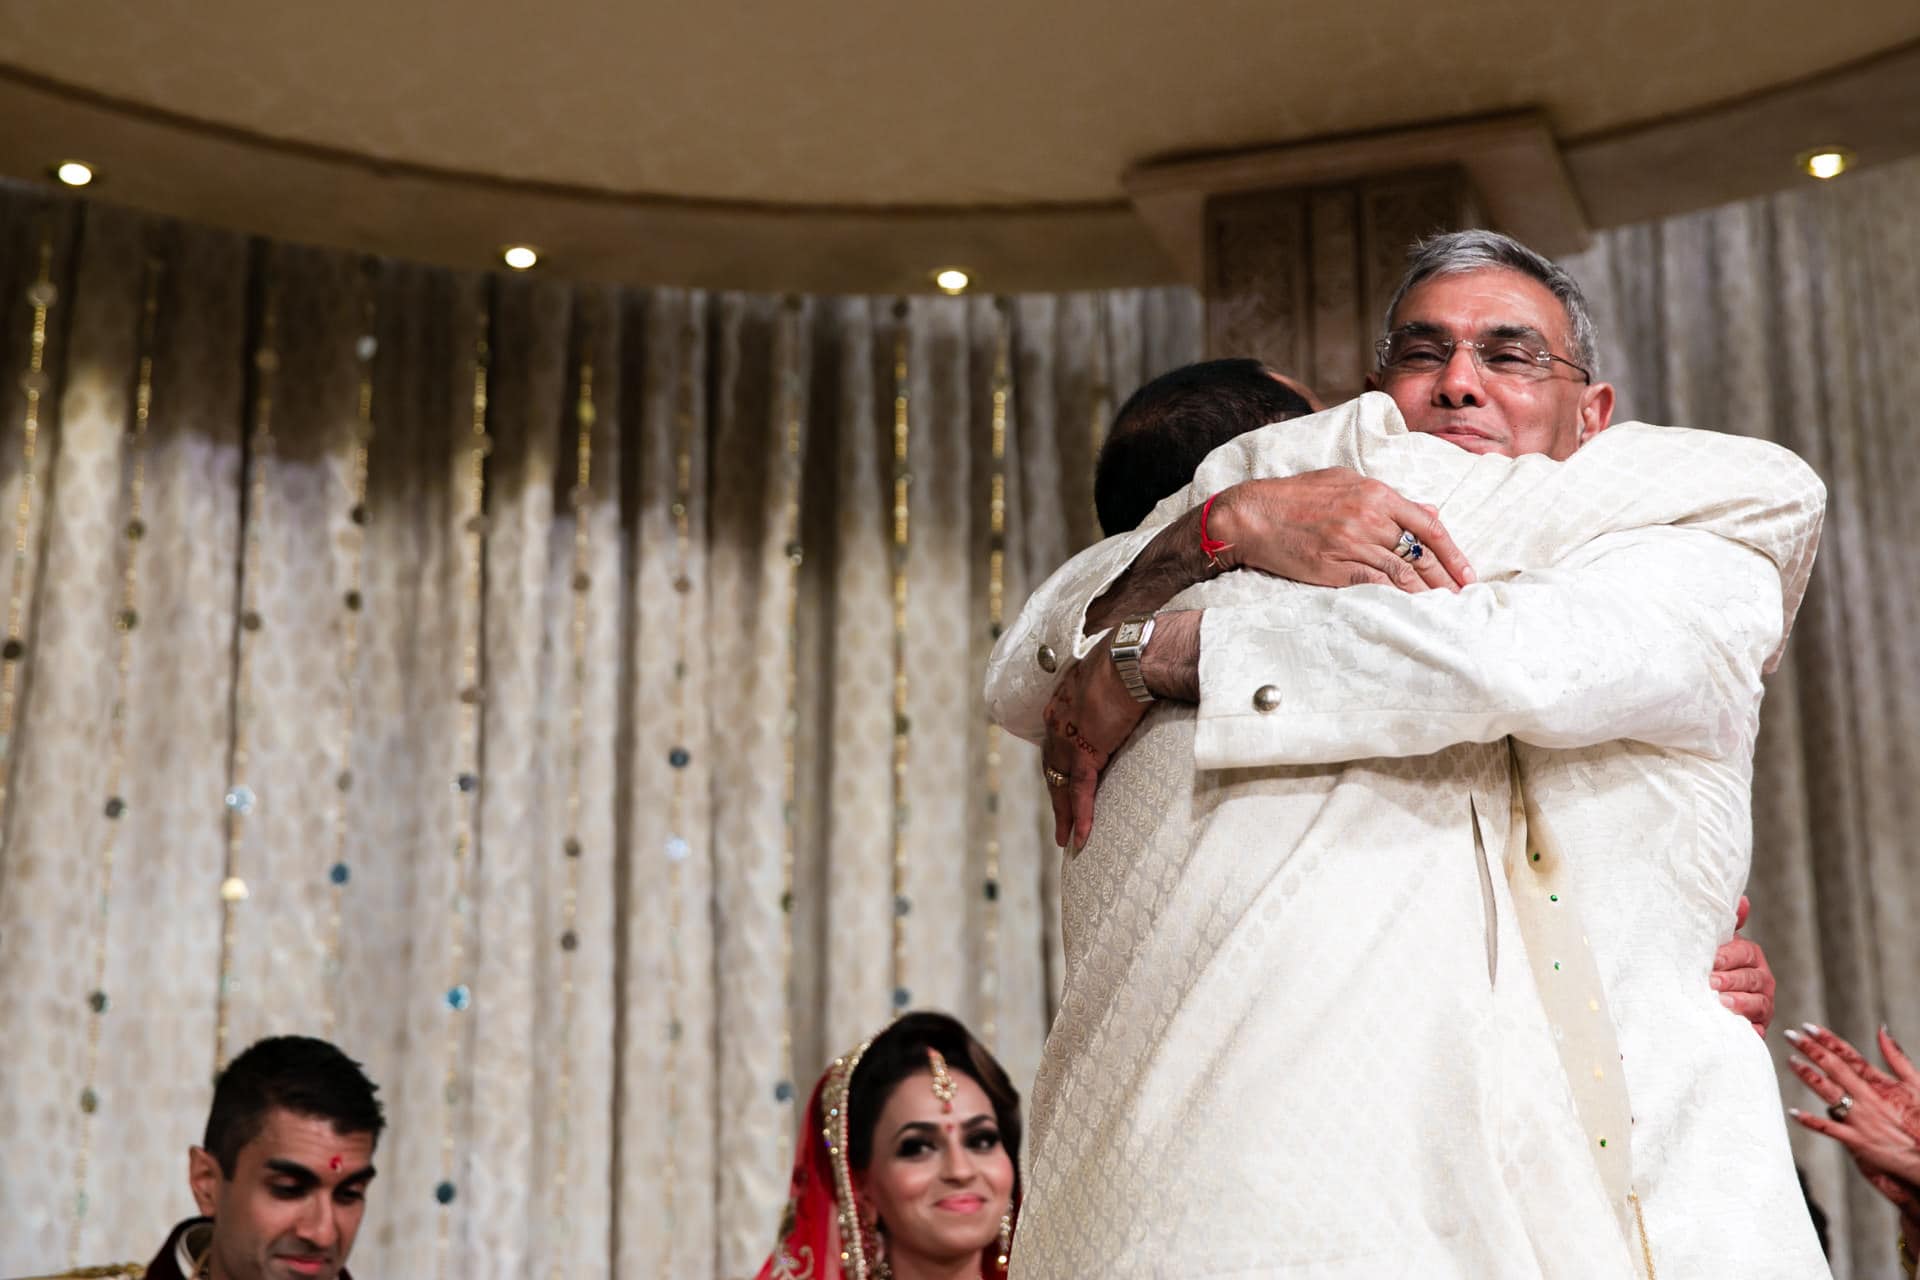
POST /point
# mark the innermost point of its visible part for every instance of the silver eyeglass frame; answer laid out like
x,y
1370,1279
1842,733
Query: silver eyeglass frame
x,y
1542,358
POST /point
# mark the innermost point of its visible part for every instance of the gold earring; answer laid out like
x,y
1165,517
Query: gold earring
x,y
874,1244
1006,1238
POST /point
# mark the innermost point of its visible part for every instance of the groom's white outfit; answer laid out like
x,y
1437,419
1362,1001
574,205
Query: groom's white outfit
x,y
1279,1051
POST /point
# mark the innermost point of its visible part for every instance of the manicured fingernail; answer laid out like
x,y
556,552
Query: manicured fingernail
x,y
1795,1112
1470,575
1813,1028
1794,1059
1793,1037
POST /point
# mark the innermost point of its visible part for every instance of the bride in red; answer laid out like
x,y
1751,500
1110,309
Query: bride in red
x,y
908,1163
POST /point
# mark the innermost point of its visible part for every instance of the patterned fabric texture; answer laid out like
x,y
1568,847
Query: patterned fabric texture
x,y
1790,318
1269,949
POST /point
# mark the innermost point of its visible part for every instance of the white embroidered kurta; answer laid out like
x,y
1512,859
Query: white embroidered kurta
x,y
1278,1052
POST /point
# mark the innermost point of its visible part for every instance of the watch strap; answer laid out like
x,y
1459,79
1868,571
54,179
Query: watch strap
x,y
1129,642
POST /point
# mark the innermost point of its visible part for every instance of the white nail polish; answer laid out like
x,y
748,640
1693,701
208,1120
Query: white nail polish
x,y
1793,1037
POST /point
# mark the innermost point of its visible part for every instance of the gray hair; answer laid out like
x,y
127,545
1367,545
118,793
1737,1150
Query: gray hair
x,y
1454,252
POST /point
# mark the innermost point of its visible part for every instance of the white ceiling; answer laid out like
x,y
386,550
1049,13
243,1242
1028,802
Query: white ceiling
x,y
852,145
864,103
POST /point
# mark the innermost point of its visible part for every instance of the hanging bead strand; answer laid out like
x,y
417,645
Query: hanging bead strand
x,y
678,846
792,421
996,610
126,620
572,852
339,873
36,383
240,798
458,996
902,726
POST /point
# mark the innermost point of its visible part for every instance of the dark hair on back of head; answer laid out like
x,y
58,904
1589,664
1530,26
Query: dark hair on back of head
x,y
1166,427
899,1053
293,1073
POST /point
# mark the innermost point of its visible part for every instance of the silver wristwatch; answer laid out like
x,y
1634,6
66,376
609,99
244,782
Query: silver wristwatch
x,y
1129,642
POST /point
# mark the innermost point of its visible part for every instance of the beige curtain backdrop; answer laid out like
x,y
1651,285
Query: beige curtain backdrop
x,y
1791,318
674,1148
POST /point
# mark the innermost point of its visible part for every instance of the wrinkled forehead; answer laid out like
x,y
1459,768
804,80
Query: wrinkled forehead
x,y
1483,301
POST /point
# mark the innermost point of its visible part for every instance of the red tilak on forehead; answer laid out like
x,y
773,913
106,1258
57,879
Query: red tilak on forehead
x,y
335,1163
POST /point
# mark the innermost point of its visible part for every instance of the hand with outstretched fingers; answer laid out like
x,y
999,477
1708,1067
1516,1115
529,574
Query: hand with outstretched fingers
x,y
1874,1114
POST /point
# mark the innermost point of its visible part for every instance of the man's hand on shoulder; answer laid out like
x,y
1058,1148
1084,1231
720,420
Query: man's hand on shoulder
x,y
1331,528
1334,528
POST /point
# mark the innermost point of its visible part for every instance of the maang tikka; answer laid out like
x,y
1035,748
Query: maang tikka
x,y
942,1082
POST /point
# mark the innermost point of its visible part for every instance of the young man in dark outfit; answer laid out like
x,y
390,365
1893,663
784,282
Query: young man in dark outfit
x,y
281,1179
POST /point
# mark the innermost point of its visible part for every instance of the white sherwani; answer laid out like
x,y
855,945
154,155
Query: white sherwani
x,y
1279,1051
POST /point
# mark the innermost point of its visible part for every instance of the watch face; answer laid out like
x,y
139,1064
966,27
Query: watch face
x,y
1129,632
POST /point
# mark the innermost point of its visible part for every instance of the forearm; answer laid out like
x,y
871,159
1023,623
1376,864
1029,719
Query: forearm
x,y
1046,637
1168,565
1659,639
1170,663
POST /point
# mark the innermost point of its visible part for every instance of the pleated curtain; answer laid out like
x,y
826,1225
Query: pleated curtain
x,y
689,671
621,1082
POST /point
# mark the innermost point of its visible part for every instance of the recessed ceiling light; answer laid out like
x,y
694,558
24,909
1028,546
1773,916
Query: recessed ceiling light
x,y
73,173
951,280
1827,162
519,256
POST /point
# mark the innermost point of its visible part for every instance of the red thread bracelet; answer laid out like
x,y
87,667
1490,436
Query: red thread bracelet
x,y
1208,545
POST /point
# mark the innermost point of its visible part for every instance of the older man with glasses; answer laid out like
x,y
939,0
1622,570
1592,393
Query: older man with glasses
x,y
1305,1020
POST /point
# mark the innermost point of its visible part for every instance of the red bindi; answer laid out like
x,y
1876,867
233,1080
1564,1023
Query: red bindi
x,y
335,1163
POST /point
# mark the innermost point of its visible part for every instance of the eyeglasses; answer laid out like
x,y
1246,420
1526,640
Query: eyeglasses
x,y
1416,351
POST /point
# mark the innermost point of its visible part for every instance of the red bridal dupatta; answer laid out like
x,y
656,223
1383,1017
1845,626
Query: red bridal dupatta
x,y
820,1234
